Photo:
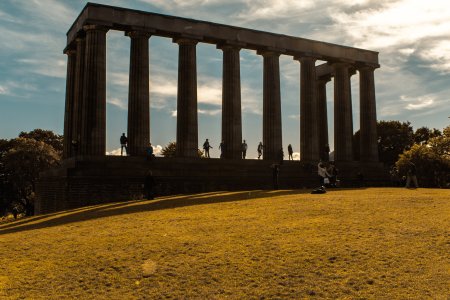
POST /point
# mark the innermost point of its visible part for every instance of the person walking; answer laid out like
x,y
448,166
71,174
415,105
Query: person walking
x,y
206,147
411,176
290,152
260,149
244,149
123,144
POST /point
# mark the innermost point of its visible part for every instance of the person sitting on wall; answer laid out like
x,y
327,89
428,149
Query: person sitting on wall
x,y
322,173
123,144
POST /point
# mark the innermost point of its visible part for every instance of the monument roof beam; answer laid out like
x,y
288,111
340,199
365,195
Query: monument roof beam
x,y
117,18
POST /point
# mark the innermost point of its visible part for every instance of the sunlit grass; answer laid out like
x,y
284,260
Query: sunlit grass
x,y
349,244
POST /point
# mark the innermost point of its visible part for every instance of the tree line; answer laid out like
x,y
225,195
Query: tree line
x,y
24,157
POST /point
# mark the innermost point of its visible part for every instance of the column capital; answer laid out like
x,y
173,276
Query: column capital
x,y
267,53
303,57
230,46
365,66
324,78
95,27
70,51
138,34
185,41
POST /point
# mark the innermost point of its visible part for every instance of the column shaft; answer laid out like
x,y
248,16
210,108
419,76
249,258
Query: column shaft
x,y
187,120
272,134
78,94
231,103
368,115
138,94
309,142
322,117
69,113
93,135
343,123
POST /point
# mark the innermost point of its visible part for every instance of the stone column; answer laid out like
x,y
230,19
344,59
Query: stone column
x,y
138,94
187,119
272,135
69,113
309,143
322,115
231,102
93,133
368,115
343,123
78,94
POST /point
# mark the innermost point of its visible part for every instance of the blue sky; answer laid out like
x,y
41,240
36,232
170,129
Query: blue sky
x,y
413,83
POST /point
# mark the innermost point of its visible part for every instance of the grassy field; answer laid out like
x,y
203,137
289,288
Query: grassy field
x,y
376,243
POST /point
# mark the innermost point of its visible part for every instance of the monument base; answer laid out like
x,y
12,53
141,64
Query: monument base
x,y
84,180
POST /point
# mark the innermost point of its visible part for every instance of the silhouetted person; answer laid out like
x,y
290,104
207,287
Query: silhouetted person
x,y
206,147
222,148
149,184
149,152
275,173
123,144
281,156
411,175
260,149
332,172
290,152
244,149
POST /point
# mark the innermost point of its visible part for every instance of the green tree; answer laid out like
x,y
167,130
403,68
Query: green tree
x,y
393,138
22,164
170,150
432,160
423,134
46,136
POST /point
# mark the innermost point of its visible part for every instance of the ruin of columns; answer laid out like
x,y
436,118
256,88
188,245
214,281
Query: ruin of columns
x,y
231,102
187,119
138,94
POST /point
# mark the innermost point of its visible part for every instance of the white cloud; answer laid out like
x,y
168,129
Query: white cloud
x,y
420,103
120,103
3,90
116,152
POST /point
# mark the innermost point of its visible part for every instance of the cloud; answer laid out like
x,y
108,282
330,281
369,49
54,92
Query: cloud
x,y
120,103
3,90
420,103
156,151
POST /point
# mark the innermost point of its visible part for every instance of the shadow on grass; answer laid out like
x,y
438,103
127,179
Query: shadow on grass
x,y
128,207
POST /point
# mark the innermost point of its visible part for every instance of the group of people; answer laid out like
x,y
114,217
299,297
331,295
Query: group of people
x,y
327,173
244,148
124,146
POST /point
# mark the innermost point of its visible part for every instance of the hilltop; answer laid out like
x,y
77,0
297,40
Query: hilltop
x,y
375,243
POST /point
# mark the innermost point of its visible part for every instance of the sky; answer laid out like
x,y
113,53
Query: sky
x,y
411,36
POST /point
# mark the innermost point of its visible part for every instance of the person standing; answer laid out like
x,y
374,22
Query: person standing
x,y
322,172
411,175
206,147
123,144
244,149
222,149
290,152
281,155
260,149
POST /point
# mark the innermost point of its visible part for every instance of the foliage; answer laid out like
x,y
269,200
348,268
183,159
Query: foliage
x,y
393,138
423,134
345,244
21,161
46,136
432,160
170,150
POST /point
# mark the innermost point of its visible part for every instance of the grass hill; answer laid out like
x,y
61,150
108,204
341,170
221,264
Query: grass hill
x,y
376,243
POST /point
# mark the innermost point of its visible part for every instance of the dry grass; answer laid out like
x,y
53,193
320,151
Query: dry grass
x,y
346,244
